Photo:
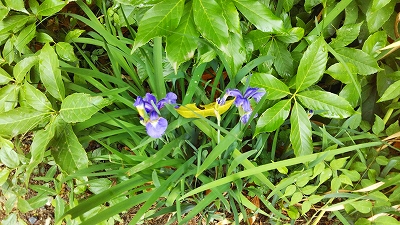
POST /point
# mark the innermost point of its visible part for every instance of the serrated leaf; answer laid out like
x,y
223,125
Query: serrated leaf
x,y
20,120
192,111
68,152
9,157
25,36
49,7
259,15
23,67
258,38
73,34
393,91
339,72
79,107
374,43
283,61
273,117
293,35
275,88
331,105
35,98
346,35
50,74
159,20
237,52
4,77
376,18
180,46
378,126
300,131
210,23
8,97
66,51
363,206
312,64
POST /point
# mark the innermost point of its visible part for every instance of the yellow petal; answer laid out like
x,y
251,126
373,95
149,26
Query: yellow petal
x,y
192,111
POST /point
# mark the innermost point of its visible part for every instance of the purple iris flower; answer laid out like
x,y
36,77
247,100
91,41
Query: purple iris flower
x,y
243,101
149,111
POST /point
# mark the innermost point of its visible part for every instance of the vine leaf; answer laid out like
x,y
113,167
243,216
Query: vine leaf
x,y
273,117
275,88
300,132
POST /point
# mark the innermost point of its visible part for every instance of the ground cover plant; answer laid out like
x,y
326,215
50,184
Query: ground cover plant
x,y
199,111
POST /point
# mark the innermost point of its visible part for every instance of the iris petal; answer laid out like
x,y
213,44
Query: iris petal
x,y
170,98
156,128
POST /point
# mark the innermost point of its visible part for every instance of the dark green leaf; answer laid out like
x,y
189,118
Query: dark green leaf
x,y
312,64
331,104
300,132
273,117
365,63
346,35
309,4
275,88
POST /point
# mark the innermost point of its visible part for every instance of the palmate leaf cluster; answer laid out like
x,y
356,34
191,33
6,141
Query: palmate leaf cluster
x,y
321,144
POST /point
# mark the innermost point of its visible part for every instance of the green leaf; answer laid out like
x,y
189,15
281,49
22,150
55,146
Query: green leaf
x,y
159,20
351,11
259,15
290,190
392,92
20,120
72,34
23,67
50,74
386,220
14,23
309,4
180,46
283,61
275,88
352,174
333,106
43,37
232,16
4,175
347,93
50,7
312,64
296,198
273,117
25,36
68,152
378,126
66,51
338,163
339,72
300,132
363,206
8,156
376,18
17,5
258,38
35,98
8,97
3,11
335,184
79,107
4,77
237,52
293,35
374,43
210,23
346,35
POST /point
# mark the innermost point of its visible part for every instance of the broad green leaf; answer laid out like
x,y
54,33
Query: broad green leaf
x,y
4,77
345,180
50,7
352,174
73,34
20,120
14,23
378,4
17,5
363,206
25,36
305,207
376,19
283,61
293,35
374,43
290,190
180,46
273,117
346,35
259,15
312,64
232,16
237,52
210,23
50,74
99,185
258,38
23,67
9,51
296,198
33,6
300,132
335,184
67,151
392,92
288,5
332,105
379,125
275,88
338,163
386,220
192,111
4,175
9,157
159,20
43,37
339,72
8,97
3,11
351,13
66,51
35,98
79,107
309,4
347,93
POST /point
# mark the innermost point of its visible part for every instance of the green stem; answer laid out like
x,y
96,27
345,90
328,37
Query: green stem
x,y
389,112
158,68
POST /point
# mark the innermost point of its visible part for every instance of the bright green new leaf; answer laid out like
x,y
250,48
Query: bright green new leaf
x,y
25,36
8,97
8,156
392,92
23,67
339,72
49,7
273,117
259,15
192,111
293,35
35,98
300,132
17,5
14,23
66,51
68,152
79,107
378,4
346,35
4,77
351,12
258,38
180,46
232,16
20,120
348,94
4,175
312,64
331,105
50,74
237,52
363,206
159,20
386,220
374,43
275,88
73,34
3,11
376,18
378,126
210,22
